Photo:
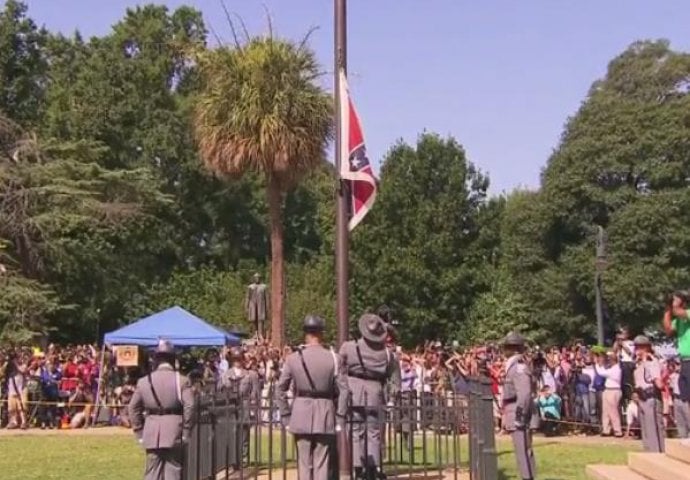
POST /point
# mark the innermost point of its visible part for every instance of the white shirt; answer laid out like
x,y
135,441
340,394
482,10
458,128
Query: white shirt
x,y
547,379
624,356
631,413
613,376
673,383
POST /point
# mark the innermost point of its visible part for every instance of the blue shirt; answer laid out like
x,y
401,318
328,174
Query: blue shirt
x,y
50,382
407,380
550,405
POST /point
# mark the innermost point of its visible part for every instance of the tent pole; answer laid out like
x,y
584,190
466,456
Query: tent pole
x,y
100,379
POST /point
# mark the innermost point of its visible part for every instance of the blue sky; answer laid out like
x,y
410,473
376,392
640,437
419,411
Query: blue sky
x,y
501,76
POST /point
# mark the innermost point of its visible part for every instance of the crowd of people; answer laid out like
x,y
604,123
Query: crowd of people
x,y
579,389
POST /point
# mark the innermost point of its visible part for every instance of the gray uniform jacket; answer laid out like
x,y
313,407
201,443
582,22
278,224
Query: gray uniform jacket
x,y
156,429
244,384
645,373
314,408
517,394
371,373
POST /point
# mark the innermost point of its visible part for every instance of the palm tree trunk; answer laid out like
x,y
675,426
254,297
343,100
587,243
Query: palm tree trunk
x,y
275,213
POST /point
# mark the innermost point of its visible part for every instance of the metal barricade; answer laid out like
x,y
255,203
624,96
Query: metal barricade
x,y
418,439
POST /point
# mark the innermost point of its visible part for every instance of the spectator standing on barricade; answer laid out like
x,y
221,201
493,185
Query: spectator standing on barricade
x,y
676,323
648,387
625,348
681,411
517,404
161,411
315,416
369,366
608,368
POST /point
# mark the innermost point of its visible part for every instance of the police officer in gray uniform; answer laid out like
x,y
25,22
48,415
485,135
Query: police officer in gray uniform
x,y
371,370
161,411
242,385
517,404
648,386
320,401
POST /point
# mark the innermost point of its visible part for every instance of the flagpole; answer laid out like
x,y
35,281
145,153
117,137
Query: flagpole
x,y
341,235
341,227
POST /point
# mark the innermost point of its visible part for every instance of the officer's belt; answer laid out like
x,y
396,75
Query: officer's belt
x,y
314,394
508,401
647,393
372,376
164,411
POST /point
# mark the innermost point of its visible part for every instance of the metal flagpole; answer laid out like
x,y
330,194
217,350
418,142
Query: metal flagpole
x,y
341,235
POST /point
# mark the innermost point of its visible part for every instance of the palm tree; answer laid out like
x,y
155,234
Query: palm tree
x,y
260,109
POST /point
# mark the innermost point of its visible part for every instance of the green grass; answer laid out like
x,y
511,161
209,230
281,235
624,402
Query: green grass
x,y
118,457
560,461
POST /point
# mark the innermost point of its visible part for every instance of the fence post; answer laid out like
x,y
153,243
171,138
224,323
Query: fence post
x,y
488,454
474,473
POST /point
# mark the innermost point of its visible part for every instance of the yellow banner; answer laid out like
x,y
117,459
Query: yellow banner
x,y
127,355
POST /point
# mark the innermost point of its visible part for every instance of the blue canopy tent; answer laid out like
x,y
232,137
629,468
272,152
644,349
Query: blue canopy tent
x,y
174,324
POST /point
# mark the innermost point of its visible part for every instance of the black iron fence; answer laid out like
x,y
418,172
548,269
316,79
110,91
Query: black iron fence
x,y
422,435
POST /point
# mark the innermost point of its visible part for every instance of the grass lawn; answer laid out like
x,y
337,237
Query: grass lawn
x,y
118,457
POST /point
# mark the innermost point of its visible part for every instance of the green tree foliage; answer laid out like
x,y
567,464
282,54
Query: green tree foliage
x,y
259,109
413,253
23,64
623,164
108,211
49,194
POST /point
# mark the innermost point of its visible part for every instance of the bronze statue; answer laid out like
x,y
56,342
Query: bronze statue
x,y
256,304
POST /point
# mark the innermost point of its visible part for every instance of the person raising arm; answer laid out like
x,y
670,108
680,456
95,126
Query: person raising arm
x,y
677,323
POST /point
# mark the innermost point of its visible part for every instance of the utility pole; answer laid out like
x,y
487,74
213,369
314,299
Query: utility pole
x,y
598,273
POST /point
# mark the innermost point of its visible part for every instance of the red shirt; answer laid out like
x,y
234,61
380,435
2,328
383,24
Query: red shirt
x,y
70,377
84,373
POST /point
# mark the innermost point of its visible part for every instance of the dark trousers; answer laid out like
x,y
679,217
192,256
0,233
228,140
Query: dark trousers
x,y
581,408
48,415
628,380
550,427
684,379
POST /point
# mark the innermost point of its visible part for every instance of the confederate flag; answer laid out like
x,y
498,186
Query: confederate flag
x,y
355,167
